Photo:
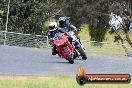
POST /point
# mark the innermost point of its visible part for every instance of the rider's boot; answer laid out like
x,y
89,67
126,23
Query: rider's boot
x,y
54,50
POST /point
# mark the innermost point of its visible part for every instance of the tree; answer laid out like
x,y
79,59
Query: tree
x,y
1,13
92,12
29,16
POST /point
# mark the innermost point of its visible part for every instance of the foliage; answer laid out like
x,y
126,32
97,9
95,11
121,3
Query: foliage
x,y
29,16
1,13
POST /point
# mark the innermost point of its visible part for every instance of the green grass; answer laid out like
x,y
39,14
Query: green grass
x,y
51,82
106,49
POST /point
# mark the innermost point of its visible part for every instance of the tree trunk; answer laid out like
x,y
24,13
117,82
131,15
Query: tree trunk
x,y
128,38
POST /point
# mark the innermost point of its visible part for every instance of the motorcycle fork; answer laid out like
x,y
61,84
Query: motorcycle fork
x,y
70,48
74,48
80,45
61,49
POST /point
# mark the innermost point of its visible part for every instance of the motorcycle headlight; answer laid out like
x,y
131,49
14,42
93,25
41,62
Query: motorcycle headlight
x,y
58,44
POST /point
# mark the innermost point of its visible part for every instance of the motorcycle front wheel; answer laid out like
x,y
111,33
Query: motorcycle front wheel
x,y
69,56
82,53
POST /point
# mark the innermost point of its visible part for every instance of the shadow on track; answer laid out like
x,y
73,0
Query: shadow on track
x,y
57,62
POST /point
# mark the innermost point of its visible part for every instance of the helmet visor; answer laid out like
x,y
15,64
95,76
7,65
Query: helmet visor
x,y
51,27
62,24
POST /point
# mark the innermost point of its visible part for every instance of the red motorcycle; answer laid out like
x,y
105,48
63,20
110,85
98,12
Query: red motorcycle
x,y
64,47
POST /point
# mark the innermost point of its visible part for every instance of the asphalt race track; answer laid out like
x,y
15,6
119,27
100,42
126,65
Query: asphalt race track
x,y
32,61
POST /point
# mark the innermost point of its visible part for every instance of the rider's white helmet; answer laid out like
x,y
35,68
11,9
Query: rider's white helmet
x,y
53,24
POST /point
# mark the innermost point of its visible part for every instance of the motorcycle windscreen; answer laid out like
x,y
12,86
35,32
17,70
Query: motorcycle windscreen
x,y
57,36
61,40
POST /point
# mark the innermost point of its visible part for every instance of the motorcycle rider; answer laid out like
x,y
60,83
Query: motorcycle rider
x,y
51,32
65,26
53,29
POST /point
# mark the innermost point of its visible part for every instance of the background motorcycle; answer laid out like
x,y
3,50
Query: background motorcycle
x,y
64,47
77,46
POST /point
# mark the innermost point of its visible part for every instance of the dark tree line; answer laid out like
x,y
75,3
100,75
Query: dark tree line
x,y
29,16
